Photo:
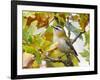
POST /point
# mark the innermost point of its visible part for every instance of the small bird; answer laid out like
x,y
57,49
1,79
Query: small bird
x,y
64,42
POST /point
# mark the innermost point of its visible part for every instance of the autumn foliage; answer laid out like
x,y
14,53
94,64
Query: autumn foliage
x,y
39,48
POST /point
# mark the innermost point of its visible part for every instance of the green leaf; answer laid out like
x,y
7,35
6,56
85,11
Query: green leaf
x,y
55,23
46,45
38,57
49,29
31,50
61,19
28,32
74,60
30,39
24,22
63,57
38,41
85,54
87,37
24,33
31,30
54,64
28,49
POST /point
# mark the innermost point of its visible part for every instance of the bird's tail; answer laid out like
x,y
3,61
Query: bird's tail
x,y
72,48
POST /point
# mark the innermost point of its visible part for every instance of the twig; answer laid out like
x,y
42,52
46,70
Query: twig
x,y
69,33
51,20
53,60
46,55
56,60
78,36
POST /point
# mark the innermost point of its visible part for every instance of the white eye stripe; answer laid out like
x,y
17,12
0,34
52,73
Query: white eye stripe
x,y
58,28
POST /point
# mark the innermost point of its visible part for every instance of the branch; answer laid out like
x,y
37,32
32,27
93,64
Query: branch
x,y
56,60
78,36
53,60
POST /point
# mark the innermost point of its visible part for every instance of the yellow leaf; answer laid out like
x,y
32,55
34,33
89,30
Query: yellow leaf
x,y
75,18
52,47
35,64
55,53
84,19
54,64
74,60
49,36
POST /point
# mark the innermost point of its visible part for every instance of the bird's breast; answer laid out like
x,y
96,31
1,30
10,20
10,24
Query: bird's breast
x,y
62,46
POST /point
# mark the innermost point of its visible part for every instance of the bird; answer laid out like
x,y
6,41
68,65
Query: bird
x,y
64,42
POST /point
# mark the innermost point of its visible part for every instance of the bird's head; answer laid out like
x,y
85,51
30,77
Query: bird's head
x,y
59,32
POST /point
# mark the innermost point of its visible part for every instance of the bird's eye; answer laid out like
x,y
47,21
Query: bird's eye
x,y
58,28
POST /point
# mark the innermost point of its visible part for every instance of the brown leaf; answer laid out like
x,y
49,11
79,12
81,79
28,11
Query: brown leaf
x,y
84,19
42,19
27,60
29,20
